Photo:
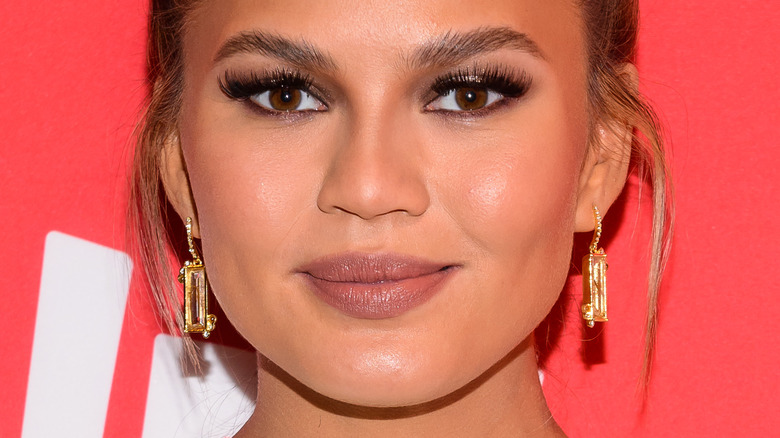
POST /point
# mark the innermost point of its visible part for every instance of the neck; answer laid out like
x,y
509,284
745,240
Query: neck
x,y
506,401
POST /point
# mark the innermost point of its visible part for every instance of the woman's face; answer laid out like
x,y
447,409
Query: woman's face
x,y
385,191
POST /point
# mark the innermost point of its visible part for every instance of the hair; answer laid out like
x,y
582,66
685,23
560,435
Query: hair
x,y
611,28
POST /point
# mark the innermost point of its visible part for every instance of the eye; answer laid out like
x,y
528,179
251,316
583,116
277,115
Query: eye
x,y
465,99
474,89
273,92
286,99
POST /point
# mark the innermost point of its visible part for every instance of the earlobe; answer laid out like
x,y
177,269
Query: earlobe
x,y
175,180
605,168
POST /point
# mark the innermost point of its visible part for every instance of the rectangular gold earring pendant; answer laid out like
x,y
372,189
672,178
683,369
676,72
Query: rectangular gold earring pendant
x,y
196,312
594,288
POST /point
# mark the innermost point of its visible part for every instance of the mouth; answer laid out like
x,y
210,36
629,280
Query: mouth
x,y
375,286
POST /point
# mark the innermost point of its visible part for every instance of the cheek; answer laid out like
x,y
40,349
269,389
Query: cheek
x,y
520,191
232,172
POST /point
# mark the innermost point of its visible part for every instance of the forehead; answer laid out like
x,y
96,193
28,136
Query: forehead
x,y
381,30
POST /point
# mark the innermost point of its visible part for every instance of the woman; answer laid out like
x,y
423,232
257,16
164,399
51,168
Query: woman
x,y
386,195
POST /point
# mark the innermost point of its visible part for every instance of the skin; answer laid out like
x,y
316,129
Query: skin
x,y
499,194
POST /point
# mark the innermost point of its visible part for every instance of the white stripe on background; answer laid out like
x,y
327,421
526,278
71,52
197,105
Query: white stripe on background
x,y
81,305
215,405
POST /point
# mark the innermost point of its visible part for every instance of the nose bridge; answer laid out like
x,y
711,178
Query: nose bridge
x,y
376,169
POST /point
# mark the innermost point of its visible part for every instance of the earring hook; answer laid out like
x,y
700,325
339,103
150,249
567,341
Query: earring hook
x,y
594,244
190,241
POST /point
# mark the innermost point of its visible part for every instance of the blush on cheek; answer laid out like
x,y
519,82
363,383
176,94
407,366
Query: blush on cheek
x,y
488,192
490,183
515,191
521,201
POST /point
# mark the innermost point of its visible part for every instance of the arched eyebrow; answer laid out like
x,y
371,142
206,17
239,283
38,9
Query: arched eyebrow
x,y
448,49
298,53
454,47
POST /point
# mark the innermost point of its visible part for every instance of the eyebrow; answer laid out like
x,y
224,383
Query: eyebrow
x,y
298,53
453,47
450,48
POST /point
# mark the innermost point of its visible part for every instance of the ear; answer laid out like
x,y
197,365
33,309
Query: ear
x,y
173,173
605,168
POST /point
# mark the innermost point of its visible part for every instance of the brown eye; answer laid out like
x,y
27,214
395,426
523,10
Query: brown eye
x,y
469,99
464,99
285,99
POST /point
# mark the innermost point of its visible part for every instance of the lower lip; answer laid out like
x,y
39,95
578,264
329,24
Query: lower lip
x,y
381,300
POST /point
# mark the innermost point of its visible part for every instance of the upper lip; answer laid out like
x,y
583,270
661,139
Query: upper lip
x,y
370,268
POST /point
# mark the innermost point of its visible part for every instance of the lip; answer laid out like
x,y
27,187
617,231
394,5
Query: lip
x,y
375,286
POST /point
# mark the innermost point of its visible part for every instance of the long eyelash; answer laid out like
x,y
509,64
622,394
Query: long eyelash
x,y
242,86
503,80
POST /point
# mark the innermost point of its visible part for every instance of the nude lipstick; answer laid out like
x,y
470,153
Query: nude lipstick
x,y
375,286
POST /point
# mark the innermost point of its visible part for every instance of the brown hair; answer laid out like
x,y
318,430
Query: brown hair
x,y
611,28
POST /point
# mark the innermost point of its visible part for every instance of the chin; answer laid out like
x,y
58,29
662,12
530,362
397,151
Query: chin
x,y
393,381
384,393
394,394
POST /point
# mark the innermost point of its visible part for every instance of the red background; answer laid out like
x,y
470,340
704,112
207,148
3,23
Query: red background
x,y
71,83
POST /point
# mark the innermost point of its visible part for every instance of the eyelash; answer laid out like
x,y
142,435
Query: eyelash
x,y
243,86
503,80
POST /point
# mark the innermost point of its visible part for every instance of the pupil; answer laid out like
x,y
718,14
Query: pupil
x,y
286,96
470,96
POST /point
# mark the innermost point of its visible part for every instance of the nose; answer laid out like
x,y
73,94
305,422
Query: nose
x,y
377,169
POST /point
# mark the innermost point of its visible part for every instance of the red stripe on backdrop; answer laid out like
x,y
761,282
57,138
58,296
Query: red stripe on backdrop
x,y
134,359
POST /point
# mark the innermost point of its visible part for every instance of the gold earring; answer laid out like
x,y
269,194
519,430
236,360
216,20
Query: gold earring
x,y
196,289
594,278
